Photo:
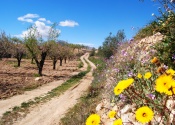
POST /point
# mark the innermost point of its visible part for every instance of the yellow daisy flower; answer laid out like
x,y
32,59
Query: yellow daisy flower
x,y
123,84
118,89
170,72
147,75
164,83
168,92
128,82
117,122
112,114
154,60
93,119
144,114
139,75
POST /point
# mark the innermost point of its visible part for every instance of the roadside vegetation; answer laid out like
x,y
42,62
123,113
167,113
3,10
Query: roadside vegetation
x,y
140,83
137,77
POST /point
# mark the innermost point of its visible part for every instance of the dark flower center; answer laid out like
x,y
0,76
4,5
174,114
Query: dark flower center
x,y
144,114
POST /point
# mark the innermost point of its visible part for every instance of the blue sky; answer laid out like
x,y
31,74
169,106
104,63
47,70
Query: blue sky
x,y
86,22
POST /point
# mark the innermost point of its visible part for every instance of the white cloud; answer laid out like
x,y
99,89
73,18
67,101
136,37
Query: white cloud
x,y
69,23
31,15
25,20
28,17
42,19
49,22
42,28
39,22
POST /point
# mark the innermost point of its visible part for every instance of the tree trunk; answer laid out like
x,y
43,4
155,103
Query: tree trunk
x,y
65,59
54,63
61,60
19,57
41,63
40,71
19,62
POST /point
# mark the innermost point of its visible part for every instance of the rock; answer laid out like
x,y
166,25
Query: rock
x,y
171,106
38,78
99,106
127,108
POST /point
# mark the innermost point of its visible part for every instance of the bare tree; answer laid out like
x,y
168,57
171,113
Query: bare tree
x,y
5,45
52,38
68,53
54,53
61,54
18,49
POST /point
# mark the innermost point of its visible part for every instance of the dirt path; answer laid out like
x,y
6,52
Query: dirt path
x,y
6,105
50,113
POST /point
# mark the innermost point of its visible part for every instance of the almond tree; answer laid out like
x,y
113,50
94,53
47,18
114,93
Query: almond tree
x,y
18,49
69,52
37,48
5,45
54,51
62,53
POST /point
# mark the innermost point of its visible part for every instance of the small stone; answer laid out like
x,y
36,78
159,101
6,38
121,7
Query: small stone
x,y
99,106
38,78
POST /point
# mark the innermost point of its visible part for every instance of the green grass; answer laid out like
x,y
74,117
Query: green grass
x,y
6,113
80,65
99,62
31,87
36,75
27,104
16,66
16,108
10,116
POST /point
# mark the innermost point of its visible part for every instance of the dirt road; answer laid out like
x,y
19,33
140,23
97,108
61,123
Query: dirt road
x,y
6,105
50,112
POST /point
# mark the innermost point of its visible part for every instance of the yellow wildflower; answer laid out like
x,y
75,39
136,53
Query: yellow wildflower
x,y
112,114
128,82
123,84
147,75
93,119
154,60
144,114
164,83
117,122
118,89
139,75
170,72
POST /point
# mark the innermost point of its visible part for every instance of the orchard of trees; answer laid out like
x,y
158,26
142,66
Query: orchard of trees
x,y
35,48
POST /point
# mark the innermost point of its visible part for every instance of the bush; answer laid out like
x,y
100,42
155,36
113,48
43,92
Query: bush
x,y
166,49
92,52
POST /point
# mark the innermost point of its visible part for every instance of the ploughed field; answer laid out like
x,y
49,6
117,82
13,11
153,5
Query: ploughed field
x,y
15,80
